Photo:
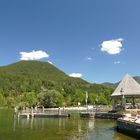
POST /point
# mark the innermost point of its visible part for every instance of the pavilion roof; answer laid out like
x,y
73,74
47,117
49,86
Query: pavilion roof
x,y
127,87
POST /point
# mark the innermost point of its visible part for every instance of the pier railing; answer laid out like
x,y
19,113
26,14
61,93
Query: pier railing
x,y
57,111
60,111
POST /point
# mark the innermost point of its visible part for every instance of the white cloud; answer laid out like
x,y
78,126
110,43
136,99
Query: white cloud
x,y
112,46
117,62
50,62
77,75
33,55
89,58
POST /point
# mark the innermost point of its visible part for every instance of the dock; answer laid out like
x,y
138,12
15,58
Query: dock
x,y
38,113
42,115
128,127
107,115
87,114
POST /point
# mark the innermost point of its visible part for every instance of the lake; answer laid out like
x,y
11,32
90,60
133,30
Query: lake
x,y
73,128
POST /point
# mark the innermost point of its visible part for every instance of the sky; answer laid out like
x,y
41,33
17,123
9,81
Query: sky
x,y
97,40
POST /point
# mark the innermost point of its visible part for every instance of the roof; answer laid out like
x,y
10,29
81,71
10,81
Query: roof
x,y
127,87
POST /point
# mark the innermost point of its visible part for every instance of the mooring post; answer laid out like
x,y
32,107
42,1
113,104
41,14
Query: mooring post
x,y
32,112
18,114
28,116
59,111
43,109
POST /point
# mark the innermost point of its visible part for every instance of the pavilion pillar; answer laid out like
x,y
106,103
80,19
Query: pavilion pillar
x,y
133,102
113,103
123,102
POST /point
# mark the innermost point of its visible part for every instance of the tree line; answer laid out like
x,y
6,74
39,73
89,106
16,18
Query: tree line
x,y
39,83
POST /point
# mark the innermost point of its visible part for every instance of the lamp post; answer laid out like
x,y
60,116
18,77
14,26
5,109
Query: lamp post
x,y
96,101
86,100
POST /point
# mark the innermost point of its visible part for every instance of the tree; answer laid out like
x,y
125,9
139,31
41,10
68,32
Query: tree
x,y
53,99
41,98
79,96
2,100
11,102
31,98
102,100
92,98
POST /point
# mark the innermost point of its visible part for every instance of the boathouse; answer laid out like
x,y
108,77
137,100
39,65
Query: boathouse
x,y
126,95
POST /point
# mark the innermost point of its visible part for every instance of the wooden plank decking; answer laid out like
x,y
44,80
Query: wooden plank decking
x,y
28,113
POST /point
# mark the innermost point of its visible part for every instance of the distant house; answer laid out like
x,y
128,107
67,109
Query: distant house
x,y
127,94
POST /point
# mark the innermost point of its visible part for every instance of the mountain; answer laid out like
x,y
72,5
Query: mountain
x,y
24,78
39,70
137,78
42,70
114,85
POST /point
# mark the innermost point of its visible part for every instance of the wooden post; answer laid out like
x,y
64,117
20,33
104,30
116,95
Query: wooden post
x,y
43,109
18,114
28,115
32,112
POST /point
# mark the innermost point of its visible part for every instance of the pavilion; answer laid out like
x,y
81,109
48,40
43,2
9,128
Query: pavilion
x,y
126,95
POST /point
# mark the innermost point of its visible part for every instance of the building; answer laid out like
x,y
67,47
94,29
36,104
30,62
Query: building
x,y
126,95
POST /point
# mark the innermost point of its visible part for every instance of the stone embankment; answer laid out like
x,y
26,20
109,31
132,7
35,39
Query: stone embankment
x,y
128,127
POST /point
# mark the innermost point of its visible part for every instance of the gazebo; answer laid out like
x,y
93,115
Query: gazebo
x,y
126,95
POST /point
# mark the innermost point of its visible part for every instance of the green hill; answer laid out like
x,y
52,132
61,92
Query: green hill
x,y
114,85
25,81
137,78
36,69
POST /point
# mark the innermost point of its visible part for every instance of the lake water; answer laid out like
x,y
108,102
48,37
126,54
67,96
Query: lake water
x,y
73,128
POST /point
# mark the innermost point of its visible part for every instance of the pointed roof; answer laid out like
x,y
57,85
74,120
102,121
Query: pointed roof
x,y
128,87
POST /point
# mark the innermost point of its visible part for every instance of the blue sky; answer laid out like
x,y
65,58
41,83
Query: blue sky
x,y
96,39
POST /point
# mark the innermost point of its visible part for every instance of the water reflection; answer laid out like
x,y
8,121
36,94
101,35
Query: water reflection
x,y
73,128
70,128
106,129
91,125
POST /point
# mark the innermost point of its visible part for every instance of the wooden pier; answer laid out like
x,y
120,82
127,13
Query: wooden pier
x,y
87,114
30,113
107,115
